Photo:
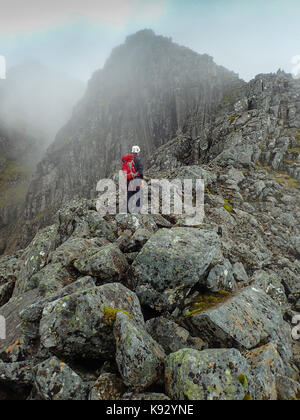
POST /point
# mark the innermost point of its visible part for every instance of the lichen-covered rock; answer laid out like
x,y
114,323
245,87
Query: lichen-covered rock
x,y
139,358
35,257
50,279
107,263
79,218
56,381
265,363
80,325
221,277
208,375
32,314
16,373
171,336
171,263
108,386
246,320
270,283
73,249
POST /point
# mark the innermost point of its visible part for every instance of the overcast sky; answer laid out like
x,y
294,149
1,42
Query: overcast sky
x,y
76,36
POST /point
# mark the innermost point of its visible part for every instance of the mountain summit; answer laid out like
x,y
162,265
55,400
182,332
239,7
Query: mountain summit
x,y
149,90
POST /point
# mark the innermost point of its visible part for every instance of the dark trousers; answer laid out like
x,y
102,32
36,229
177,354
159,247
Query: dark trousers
x,y
133,187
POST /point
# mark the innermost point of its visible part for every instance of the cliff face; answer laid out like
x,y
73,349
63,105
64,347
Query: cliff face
x,y
149,90
18,155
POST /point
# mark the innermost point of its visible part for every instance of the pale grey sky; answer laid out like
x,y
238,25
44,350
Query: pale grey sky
x,y
76,36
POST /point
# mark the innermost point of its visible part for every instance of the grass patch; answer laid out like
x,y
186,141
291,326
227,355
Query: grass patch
x,y
207,301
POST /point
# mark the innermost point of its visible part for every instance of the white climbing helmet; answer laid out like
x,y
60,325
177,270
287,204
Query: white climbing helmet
x,y
136,149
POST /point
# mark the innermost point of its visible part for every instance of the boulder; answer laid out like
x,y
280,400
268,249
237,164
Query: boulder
x,y
215,374
265,363
108,263
245,321
171,263
79,326
140,359
35,257
73,249
56,381
221,278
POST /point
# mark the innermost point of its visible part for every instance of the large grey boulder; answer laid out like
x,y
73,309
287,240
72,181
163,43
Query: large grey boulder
x,y
208,375
171,263
31,315
245,321
140,359
106,263
80,325
56,381
35,257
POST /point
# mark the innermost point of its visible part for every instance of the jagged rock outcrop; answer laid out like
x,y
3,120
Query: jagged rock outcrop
x,y
149,89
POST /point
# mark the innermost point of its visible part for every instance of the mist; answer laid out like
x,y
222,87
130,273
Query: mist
x,y
37,100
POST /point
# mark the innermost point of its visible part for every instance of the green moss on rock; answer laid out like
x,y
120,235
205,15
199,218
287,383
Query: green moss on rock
x,y
111,313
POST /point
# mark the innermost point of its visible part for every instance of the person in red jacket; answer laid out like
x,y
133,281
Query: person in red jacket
x,y
134,171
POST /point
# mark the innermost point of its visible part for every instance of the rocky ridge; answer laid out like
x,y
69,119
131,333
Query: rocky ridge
x,y
148,307
207,317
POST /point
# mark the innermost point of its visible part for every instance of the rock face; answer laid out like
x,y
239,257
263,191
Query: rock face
x,y
148,90
19,153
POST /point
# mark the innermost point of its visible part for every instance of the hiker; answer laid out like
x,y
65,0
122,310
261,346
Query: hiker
x,y
134,173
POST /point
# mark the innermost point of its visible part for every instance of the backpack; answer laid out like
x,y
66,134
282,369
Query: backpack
x,y
128,167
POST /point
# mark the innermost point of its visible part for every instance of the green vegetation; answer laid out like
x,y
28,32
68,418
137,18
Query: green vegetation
x,y
13,195
243,380
207,301
228,207
111,313
232,118
248,397
13,171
